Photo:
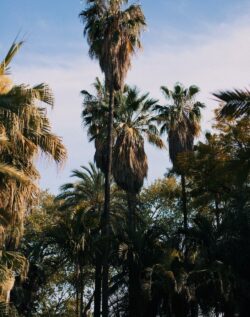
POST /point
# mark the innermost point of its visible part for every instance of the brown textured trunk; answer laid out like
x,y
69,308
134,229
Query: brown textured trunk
x,y
106,212
135,309
98,284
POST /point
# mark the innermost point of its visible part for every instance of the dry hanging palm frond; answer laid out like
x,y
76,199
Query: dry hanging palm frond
x,y
12,172
26,126
5,84
130,165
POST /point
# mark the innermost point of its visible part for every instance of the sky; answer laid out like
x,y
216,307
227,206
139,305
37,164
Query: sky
x,y
200,42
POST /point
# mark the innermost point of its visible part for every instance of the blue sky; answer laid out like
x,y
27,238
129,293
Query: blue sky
x,y
192,41
54,24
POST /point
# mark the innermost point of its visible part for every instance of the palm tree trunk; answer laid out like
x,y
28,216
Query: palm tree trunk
x,y
184,203
77,290
81,290
98,284
135,308
106,213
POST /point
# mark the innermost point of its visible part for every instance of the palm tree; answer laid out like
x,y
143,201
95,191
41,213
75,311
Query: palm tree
x,y
133,122
113,34
180,119
25,125
235,103
85,198
25,130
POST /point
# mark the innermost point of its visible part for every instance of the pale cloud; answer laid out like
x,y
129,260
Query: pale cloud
x,y
220,60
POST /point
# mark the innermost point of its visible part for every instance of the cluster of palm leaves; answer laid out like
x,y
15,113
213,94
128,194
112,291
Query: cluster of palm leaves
x,y
25,131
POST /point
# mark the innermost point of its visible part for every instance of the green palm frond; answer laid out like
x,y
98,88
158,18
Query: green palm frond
x,y
235,102
4,65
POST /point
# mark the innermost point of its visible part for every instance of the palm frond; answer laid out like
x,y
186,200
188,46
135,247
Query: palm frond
x,y
12,172
235,103
4,65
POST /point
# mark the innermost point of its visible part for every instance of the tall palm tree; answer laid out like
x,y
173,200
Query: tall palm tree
x,y
180,119
23,121
235,103
113,33
133,123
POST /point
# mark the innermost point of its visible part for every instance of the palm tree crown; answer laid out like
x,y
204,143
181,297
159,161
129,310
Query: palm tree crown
x,y
133,121
95,118
113,34
180,118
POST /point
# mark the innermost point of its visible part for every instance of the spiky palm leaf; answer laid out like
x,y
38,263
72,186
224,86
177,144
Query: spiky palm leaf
x,y
235,103
4,65
86,192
